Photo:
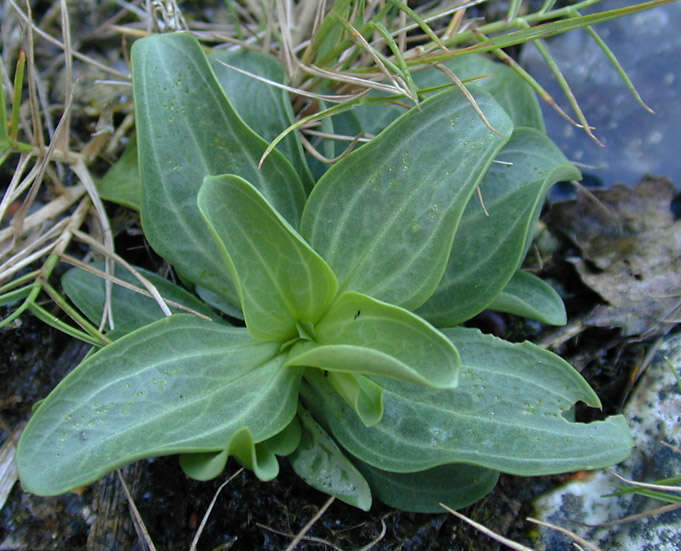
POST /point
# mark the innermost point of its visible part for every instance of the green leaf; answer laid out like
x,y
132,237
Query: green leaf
x,y
507,414
384,216
457,485
264,107
320,463
488,250
280,279
131,310
186,130
363,335
121,183
529,296
179,385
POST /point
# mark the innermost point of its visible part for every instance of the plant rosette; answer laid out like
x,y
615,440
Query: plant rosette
x,y
351,362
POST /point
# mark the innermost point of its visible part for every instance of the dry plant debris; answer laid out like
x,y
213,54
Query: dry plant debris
x,y
631,254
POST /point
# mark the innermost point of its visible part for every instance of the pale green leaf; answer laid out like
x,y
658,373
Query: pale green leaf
x,y
457,485
384,216
320,463
186,130
179,385
264,107
130,309
121,183
508,414
529,296
488,249
280,279
363,335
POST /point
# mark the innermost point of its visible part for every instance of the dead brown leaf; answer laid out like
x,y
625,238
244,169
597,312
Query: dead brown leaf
x,y
631,254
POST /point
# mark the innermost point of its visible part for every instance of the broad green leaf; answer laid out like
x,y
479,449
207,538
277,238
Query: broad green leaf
x,y
121,183
186,130
180,385
131,310
529,296
488,250
362,335
320,463
384,216
264,107
506,86
457,485
507,414
280,279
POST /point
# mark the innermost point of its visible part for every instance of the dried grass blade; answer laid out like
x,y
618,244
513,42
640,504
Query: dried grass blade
x,y
509,543
581,541
57,43
52,209
662,487
310,524
298,91
68,259
84,176
63,137
140,527
199,531
143,280
474,104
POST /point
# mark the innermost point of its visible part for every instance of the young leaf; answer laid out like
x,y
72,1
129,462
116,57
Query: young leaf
x,y
280,279
507,414
488,249
384,216
264,107
186,130
320,463
529,296
363,335
179,385
121,183
456,485
131,310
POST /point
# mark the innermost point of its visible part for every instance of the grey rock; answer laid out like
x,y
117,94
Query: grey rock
x,y
654,415
648,46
